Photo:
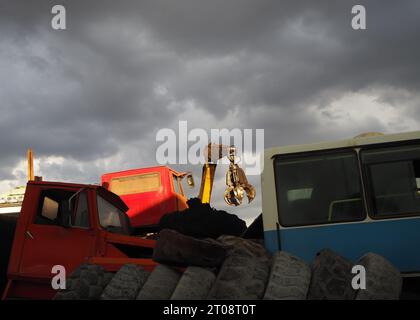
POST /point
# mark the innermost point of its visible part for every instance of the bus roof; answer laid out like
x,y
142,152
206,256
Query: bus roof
x,y
354,142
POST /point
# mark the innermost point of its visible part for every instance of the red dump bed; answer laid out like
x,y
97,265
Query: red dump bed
x,y
148,192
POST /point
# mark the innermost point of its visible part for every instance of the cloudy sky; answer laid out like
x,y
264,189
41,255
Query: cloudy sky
x,y
90,99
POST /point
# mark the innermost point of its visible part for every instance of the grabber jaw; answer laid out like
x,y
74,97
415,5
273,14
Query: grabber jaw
x,y
250,192
237,186
234,195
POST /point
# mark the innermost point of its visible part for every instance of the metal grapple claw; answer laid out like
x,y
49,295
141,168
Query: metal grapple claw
x,y
234,196
237,186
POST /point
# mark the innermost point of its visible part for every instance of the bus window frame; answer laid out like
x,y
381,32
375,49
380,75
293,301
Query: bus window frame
x,y
335,151
368,183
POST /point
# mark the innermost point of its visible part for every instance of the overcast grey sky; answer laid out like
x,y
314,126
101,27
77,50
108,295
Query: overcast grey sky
x,y
91,98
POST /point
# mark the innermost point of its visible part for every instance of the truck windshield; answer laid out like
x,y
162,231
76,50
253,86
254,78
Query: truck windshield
x,y
111,218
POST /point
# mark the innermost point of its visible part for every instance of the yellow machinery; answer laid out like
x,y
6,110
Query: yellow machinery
x,y
236,181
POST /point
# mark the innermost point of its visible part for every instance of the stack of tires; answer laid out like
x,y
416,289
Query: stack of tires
x,y
231,267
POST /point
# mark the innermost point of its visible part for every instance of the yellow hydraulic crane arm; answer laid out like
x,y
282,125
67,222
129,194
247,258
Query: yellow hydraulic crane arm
x,y
207,179
236,181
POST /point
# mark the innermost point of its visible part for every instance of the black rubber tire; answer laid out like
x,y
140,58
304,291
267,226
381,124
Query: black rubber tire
x,y
126,283
195,284
86,283
246,247
160,284
289,278
177,249
383,280
241,278
331,277
202,221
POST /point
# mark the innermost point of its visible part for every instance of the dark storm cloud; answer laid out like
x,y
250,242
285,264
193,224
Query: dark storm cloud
x,y
79,94
122,70
314,54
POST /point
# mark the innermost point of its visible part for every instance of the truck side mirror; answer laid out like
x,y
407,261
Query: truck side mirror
x,y
190,180
65,214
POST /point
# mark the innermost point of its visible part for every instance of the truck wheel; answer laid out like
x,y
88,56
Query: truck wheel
x,y
331,277
289,278
126,283
160,284
241,278
194,284
383,280
86,282
178,249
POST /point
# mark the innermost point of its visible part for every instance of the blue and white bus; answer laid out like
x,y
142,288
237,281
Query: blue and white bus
x,y
352,196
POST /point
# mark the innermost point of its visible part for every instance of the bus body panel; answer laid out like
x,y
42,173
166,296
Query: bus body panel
x,y
395,239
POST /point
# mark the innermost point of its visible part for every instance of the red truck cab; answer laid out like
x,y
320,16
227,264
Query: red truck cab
x,y
149,193
67,224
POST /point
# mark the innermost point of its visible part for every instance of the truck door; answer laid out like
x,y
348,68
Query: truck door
x,y
48,243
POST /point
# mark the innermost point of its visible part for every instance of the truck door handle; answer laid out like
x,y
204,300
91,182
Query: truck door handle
x,y
29,234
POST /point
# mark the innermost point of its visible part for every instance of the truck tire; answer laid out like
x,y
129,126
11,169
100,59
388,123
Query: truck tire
x,y
177,249
160,284
86,283
195,284
126,283
202,221
383,280
289,278
251,248
241,278
331,277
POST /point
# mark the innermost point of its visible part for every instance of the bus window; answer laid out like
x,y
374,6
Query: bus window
x,y
394,180
318,188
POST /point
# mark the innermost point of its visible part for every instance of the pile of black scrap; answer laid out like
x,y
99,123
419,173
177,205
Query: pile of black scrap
x,y
202,221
